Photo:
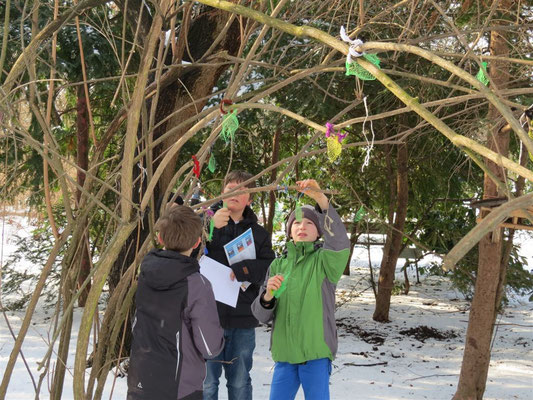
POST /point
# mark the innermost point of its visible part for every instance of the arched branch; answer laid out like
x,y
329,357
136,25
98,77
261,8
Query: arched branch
x,y
488,224
458,140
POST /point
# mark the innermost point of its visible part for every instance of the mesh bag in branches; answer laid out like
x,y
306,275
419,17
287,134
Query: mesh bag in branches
x,y
230,124
482,74
355,69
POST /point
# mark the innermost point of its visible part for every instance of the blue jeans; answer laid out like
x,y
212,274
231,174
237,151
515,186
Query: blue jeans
x,y
236,358
312,375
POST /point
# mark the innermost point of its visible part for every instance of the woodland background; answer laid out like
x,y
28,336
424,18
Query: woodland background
x,y
104,104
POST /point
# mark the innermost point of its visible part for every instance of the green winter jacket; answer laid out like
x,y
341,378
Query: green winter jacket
x,y
304,315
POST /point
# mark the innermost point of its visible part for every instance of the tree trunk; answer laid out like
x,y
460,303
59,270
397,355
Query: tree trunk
x,y
67,287
393,243
508,243
82,160
197,83
79,264
491,264
353,240
476,357
56,392
175,99
406,278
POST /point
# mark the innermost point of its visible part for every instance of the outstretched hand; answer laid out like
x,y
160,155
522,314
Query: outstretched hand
x,y
311,188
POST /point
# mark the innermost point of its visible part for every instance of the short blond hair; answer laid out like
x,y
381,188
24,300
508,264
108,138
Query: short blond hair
x,y
179,228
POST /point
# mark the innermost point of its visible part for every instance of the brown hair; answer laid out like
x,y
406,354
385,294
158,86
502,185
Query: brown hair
x,y
239,177
179,228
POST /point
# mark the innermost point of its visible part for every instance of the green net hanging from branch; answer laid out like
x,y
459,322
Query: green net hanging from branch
x,y
334,142
353,68
211,229
212,164
482,74
298,211
359,214
230,124
278,217
209,214
298,214
334,148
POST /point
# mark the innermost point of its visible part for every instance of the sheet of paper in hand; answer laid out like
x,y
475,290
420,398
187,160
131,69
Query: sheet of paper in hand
x,y
225,290
239,249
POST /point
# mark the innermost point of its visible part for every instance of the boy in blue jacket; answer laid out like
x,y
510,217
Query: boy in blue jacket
x,y
176,326
299,297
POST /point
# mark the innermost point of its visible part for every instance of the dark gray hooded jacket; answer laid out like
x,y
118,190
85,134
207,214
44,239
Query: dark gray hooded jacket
x,y
176,327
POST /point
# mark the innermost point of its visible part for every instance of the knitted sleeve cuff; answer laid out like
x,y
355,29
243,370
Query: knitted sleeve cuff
x,y
267,304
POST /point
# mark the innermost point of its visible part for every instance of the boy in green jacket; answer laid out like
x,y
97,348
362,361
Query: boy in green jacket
x,y
299,297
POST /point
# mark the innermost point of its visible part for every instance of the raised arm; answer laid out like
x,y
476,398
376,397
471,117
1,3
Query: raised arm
x,y
334,232
311,188
336,250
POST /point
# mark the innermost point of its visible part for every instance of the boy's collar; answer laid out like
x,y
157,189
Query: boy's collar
x,y
304,246
247,215
241,217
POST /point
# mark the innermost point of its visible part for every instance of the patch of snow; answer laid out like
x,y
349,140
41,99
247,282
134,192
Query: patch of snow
x,y
399,367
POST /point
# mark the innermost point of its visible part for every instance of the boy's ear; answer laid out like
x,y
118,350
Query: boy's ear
x,y
159,239
197,242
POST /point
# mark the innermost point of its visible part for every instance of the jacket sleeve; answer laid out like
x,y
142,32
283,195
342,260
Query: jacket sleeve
x,y
207,334
260,312
254,270
336,250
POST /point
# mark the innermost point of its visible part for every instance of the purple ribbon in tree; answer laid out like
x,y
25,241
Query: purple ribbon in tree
x,y
330,131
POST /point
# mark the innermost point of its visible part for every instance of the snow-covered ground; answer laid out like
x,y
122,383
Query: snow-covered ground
x,y
374,361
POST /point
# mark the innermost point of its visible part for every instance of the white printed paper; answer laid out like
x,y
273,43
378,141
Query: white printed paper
x,y
239,249
225,290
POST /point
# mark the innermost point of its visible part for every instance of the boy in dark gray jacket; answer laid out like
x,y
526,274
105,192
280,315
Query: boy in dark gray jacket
x,y
176,325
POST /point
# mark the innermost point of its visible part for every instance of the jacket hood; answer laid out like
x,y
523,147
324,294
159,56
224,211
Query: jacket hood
x,y
162,269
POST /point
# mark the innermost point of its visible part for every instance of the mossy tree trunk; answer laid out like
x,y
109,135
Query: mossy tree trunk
x,y
393,243
492,265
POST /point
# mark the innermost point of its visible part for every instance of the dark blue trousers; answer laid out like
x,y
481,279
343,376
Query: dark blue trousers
x,y
236,359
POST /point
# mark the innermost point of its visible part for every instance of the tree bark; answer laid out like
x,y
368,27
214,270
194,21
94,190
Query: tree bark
x,y
491,266
353,240
197,83
82,160
393,243
62,354
80,262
